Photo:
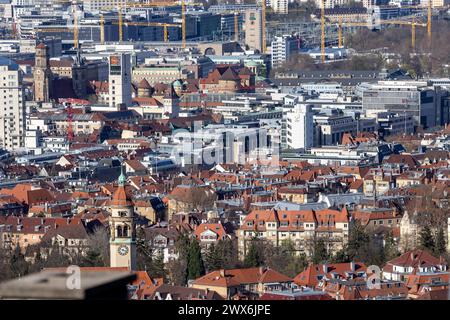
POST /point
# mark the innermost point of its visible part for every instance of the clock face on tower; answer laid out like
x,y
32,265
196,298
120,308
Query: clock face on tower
x,y
123,250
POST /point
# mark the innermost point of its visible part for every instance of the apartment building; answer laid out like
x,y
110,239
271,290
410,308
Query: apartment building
x,y
12,106
280,6
302,227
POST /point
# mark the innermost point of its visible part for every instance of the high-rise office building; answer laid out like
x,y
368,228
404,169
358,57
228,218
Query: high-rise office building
x,y
282,48
12,106
299,127
119,80
414,98
279,6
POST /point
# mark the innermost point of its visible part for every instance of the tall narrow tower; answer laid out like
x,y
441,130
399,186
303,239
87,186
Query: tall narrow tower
x,y
42,74
123,232
119,80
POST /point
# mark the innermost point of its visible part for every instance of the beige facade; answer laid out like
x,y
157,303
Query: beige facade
x,y
301,228
158,74
123,233
253,29
42,74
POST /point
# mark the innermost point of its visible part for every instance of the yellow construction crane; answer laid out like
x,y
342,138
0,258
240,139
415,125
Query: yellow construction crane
x,y
102,29
183,23
120,24
75,26
155,4
322,43
153,24
236,26
263,25
341,24
413,25
429,21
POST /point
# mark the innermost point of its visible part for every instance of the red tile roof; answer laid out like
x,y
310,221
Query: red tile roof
x,y
237,277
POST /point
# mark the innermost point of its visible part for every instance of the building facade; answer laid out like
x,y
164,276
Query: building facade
x,y
123,232
253,29
42,74
12,106
119,80
299,127
283,48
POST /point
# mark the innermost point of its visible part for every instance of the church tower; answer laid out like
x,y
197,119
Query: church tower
x,y
171,104
42,74
123,232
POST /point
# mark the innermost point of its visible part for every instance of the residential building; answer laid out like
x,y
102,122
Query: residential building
x,y
12,106
251,281
414,262
280,6
299,226
315,273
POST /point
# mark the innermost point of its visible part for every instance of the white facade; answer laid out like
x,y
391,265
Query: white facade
x,y
282,48
279,6
12,106
96,5
119,79
299,127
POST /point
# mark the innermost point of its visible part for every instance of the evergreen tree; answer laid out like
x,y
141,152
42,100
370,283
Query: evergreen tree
x,y
19,266
341,256
144,251
440,247
195,263
426,239
358,242
213,258
182,245
228,250
390,247
157,267
93,258
320,253
254,257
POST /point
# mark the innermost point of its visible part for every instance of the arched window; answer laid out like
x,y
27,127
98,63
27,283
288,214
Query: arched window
x,y
119,232
125,231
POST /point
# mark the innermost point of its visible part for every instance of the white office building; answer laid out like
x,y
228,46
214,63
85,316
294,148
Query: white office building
x,y
282,48
279,6
119,80
12,106
299,127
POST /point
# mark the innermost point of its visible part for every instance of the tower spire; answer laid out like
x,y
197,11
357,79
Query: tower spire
x,y
122,178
